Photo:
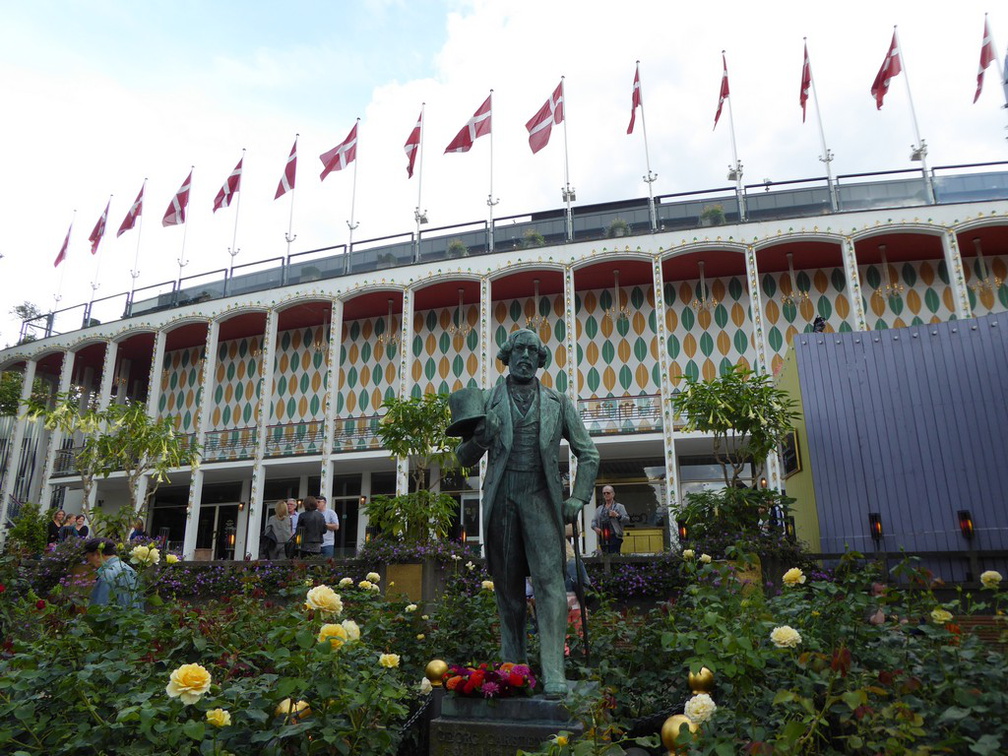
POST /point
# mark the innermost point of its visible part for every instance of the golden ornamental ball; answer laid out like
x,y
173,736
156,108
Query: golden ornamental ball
x,y
435,671
670,729
702,681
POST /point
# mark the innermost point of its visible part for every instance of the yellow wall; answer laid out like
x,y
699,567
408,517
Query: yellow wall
x,y
800,485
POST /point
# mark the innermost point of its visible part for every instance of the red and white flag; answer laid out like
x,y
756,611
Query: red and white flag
x,y
99,229
340,156
63,250
891,66
541,124
231,187
176,212
477,126
636,100
806,83
987,55
290,172
134,212
723,95
412,145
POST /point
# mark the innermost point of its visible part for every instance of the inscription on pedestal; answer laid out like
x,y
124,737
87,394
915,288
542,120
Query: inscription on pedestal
x,y
472,737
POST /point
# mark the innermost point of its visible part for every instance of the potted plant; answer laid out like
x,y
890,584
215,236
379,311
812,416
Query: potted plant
x,y
457,248
617,227
531,238
712,215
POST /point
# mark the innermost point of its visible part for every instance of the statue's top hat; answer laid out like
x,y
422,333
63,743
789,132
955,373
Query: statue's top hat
x,y
467,410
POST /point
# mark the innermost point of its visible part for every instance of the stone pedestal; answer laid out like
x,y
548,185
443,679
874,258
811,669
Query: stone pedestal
x,y
477,727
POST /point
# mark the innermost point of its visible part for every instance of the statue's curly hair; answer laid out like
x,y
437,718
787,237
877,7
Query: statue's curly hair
x,y
504,355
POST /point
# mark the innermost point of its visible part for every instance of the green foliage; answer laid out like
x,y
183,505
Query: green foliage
x,y
11,383
713,215
29,530
617,227
744,412
121,437
414,429
531,238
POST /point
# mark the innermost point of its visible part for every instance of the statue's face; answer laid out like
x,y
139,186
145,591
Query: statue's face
x,y
524,360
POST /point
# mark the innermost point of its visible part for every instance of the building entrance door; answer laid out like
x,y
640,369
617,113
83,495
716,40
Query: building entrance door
x,y
215,528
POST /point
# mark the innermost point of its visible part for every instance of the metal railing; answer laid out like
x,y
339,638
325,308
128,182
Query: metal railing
x,y
764,201
622,414
236,443
295,439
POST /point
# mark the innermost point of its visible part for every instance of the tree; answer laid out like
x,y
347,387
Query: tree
x,y
11,382
24,312
121,437
744,412
414,429
747,417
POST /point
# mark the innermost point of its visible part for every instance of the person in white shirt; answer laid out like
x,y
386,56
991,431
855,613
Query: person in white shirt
x,y
332,525
292,513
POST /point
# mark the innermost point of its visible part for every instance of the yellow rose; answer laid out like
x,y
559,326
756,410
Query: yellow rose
x,y
294,710
365,585
171,559
700,708
374,577
991,579
940,616
487,585
388,660
411,607
145,555
188,683
352,629
794,576
324,599
345,582
705,558
688,554
561,740
219,717
420,636
785,637
335,634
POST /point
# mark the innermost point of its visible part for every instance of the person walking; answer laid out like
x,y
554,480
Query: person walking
x,y
312,526
332,526
117,583
609,521
277,533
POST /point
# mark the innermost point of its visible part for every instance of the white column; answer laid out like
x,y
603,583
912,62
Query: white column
x,y
957,277
203,417
331,393
667,392
854,285
487,353
56,436
405,341
570,329
108,375
14,458
153,399
250,541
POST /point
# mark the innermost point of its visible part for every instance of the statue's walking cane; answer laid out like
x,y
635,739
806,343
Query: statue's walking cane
x,y
580,592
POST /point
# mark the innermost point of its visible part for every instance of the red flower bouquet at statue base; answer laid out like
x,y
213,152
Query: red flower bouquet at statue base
x,y
487,681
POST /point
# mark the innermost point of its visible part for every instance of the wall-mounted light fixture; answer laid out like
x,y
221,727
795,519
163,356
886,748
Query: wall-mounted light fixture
x,y
875,525
683,530
966,524
789,529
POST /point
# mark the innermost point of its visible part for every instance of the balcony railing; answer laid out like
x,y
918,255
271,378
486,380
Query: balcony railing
x,y
622,414
237,443
295,439
685,210
357,434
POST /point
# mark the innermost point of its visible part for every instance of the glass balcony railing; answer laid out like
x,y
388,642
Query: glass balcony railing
x,y
763,202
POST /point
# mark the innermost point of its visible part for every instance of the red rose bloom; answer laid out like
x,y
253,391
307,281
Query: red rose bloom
x,y
40,604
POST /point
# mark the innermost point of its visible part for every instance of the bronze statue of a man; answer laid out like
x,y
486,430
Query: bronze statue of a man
x,y
518,424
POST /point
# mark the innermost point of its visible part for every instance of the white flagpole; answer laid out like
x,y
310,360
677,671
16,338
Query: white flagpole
x,y
827,156
1000,70
651,177
490,198
919,150
568,192
737,166
233,249
182,262
417,215
353,201
290,237
135,272
94,283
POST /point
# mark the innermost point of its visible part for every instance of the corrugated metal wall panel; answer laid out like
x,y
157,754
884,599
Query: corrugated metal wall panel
x,y
911,423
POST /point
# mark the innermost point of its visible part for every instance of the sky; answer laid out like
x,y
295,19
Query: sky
x,y
99,95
